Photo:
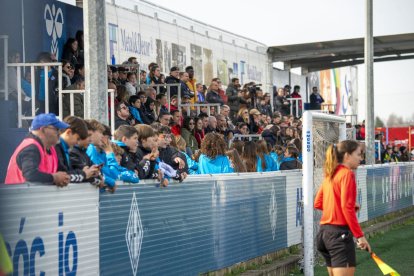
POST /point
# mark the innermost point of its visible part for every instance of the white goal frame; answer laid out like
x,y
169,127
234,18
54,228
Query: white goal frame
x,y
307,181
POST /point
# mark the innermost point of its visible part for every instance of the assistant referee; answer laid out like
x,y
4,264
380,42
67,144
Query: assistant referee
x,y
337,200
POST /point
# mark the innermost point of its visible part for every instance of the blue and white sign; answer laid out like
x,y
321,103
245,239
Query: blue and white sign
x,y
389,189
50,230
361,179
203,224
134,234
294,197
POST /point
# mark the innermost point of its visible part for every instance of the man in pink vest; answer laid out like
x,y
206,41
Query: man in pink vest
x,y
35,159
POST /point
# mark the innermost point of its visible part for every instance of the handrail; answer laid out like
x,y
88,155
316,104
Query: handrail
x,y
241,136
198,106
327,107
168,94
6,60
45,66
352,117
295,101
71,101
376,142
72,106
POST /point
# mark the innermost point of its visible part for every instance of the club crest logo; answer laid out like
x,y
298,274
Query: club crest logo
x,y
54,26
134,234
273,211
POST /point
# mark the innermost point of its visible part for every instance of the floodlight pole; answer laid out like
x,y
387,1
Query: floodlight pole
x,y
96,78
369,82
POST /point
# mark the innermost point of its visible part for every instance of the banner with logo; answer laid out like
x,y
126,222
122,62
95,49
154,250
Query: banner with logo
x,y
200,225
47,26
389,189
50,230
294,197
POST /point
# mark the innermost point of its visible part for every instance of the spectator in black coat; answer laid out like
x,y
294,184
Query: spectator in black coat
x,y
149,115
315,99
213,94
171,155
122,115
147,152
68,138
281,103
290,161
173,78
78,157
126,137
70,51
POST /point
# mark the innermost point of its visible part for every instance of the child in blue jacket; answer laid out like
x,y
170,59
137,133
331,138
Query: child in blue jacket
x,y
116,170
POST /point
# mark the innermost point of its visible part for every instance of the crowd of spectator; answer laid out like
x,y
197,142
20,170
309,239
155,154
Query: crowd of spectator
x,y
385,153
237,129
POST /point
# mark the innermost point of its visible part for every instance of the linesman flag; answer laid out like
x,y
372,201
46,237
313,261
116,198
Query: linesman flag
x,y
6,266
385,269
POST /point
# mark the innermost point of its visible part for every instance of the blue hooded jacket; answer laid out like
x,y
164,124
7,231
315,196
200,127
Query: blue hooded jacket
x,y
259,165
220,164
277,160
98,158
42,87
192,165
135,113
116,171
271,164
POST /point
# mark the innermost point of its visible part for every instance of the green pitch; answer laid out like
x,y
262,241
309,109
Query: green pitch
x,y
395,247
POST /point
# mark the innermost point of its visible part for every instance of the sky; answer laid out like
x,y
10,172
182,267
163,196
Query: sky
x,y
282,22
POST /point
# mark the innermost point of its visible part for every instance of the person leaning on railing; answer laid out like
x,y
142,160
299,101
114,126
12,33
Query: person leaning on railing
x,y
77,99
69,137
35,159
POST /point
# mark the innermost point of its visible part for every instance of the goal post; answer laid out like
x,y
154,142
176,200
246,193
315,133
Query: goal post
x,y
319,131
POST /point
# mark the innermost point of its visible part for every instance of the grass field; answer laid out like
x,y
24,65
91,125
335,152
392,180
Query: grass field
x,y
395,247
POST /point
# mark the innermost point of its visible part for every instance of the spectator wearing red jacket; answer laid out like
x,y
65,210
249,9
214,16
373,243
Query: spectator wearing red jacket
x,y
296,95
362,130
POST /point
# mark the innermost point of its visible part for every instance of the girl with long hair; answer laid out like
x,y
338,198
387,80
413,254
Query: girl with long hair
x,y
337,200
238,145
70,51
181,146
268,163
277,155
251,160
213,159
236,161
198,130
243,116
187,132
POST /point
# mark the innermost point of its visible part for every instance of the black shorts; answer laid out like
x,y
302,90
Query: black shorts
x,y
336,244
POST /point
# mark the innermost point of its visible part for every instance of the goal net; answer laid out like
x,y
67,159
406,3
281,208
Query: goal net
x,y
319,131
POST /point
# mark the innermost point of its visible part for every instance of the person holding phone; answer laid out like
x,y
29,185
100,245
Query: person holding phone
x,y
337,200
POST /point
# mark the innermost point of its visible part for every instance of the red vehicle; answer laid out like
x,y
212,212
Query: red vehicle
x,y
399,136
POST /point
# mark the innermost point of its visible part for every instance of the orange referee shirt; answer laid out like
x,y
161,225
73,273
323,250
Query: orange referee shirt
x,y
337,198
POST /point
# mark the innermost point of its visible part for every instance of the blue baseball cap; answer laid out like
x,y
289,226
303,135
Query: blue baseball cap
x,y
49,119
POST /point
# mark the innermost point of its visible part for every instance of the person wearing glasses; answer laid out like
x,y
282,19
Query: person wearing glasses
x,y
122,115
35,159
187,132
66,72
